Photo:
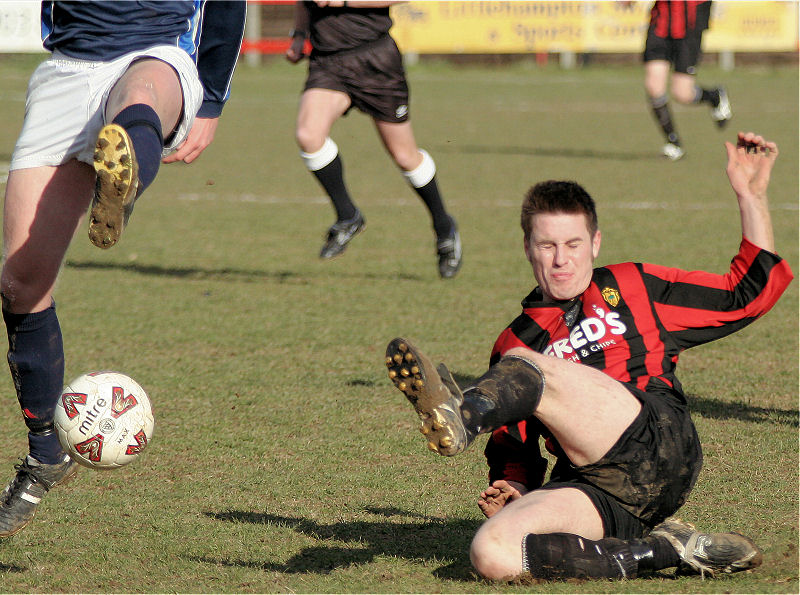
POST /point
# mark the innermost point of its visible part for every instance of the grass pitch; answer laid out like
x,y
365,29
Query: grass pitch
x,y
283,459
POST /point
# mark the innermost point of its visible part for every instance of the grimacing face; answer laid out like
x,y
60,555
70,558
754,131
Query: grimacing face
x,y
561,250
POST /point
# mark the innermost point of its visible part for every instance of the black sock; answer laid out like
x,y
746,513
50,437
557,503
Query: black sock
x,y
663,116
507,393
710,96
655,553
36,360
564,556
331,177
429,193
144,127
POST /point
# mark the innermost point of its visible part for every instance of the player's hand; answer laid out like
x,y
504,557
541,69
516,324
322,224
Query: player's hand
x,y
296,51
199,137
750,164
497,495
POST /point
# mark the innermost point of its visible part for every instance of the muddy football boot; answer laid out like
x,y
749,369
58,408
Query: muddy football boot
x,y
340,234
434,395
116,185
709,552
21,498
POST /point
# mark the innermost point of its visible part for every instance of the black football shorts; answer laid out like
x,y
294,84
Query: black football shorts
x,y
648,474
684,54
372,75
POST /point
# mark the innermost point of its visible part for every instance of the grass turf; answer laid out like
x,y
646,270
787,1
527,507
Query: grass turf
x,y
283,459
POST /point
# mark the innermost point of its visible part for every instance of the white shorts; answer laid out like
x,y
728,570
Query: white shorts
x,y
65,106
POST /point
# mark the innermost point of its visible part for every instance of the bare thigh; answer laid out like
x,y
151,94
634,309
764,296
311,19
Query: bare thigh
x,y
43,208
656,75
398,138
586,410
319,109
682,87
154,83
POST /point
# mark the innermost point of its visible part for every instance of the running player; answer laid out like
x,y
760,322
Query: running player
x,y
122,88
590,363
673,40
355,63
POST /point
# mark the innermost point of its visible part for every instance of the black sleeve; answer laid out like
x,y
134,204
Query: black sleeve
x,y
218,51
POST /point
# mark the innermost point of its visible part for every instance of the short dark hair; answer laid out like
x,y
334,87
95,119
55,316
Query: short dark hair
x,y
557,196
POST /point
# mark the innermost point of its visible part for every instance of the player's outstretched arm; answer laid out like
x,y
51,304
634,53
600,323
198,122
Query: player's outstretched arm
x,y
750,163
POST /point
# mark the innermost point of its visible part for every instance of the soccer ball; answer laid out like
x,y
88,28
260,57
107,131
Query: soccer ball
x,y
104,420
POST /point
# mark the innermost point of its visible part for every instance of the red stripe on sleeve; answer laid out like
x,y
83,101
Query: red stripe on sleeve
x,y
507,340
676,318
739,266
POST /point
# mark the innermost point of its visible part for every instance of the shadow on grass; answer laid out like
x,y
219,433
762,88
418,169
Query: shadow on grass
x,y
230,274
710,408
551,152
426,539
12,568
717,409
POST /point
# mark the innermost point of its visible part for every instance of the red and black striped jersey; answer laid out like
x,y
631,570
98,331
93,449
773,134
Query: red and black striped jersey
x,y
632,323
676,18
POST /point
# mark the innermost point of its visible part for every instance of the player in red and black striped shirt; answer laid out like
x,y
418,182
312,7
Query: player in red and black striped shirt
x,y
673,40
590,365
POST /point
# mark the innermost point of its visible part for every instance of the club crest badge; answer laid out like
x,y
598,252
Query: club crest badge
x,y
611,296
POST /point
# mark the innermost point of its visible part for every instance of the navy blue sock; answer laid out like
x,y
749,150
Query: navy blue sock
x,y
144,127
36,360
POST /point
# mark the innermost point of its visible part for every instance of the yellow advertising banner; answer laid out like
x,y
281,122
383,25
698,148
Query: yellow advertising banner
x,y
497,27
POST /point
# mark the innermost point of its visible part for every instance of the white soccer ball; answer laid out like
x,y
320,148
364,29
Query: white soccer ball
x,y
104,420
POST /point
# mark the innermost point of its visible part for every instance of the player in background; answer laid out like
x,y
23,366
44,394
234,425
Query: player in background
x,y
674,41
354,62
590,364
126,84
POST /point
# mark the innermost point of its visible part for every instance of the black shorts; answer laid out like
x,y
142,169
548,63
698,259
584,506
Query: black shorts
x,y
372,75
684,54
648,474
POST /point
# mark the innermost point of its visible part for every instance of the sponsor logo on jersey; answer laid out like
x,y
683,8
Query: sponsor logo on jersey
x,y
589,336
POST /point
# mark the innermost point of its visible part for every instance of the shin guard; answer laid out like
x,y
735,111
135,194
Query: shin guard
x,y
558,556
507,393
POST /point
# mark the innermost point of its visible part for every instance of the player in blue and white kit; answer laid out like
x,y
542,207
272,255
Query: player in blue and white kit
x,y
127,84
